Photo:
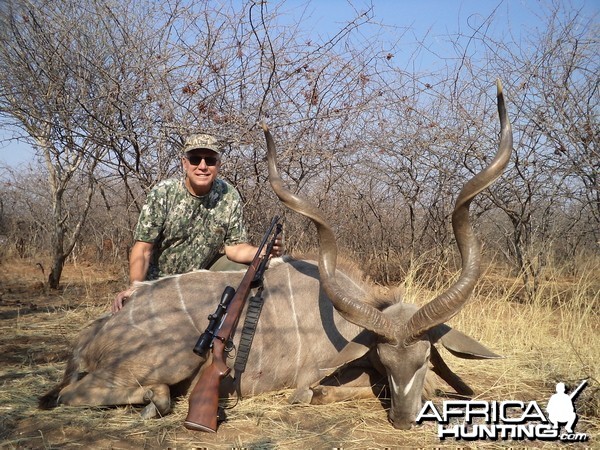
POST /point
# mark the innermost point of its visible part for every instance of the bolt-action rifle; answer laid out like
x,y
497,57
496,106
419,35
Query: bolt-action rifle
x,y
204,398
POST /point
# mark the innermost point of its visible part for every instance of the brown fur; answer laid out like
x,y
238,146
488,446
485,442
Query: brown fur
x,y
379,297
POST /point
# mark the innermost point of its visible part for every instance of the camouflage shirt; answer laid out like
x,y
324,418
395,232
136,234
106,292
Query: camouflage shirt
x,y
189,231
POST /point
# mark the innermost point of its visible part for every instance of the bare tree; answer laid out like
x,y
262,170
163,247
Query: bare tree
x,y
551,195
117,85
107,90
42,96
564,86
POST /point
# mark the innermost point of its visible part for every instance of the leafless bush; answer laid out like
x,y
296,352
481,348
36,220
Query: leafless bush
x,y
381,150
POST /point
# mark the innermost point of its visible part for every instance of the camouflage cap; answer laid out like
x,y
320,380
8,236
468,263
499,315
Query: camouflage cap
x,y
198,141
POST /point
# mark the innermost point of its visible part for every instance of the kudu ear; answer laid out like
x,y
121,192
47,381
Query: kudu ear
x,y
459,344
355,349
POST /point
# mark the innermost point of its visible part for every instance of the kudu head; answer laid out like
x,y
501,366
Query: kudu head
x,y
404,332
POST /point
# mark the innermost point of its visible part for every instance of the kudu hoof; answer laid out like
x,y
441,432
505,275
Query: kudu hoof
x,y
301,395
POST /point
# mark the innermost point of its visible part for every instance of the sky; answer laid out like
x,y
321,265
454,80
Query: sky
x,y
434,18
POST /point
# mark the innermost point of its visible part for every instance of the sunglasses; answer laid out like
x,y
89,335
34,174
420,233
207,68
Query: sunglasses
x,y
195,160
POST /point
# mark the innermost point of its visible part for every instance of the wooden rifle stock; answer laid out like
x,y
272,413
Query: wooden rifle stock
x,y
204,398
203,408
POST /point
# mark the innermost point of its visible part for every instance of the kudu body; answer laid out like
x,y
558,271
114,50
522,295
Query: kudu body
x,y
136,355
143,354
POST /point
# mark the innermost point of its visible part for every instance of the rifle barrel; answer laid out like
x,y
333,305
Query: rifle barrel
x,y
579,388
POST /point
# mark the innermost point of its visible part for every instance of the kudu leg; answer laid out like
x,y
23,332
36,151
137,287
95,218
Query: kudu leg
x,y
350,383
323,395
91,390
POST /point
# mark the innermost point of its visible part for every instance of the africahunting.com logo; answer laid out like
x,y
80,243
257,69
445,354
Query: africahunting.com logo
x,y
507,420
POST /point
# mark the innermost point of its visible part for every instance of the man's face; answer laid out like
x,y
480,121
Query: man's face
x,y
201,167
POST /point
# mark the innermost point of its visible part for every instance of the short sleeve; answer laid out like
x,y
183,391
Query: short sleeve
x,y
152,216
237,232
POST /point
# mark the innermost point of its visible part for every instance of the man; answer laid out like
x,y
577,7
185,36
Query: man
x,y
185,224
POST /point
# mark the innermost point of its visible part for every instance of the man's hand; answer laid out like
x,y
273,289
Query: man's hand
x,y
277,247
139,261
244,253
120,300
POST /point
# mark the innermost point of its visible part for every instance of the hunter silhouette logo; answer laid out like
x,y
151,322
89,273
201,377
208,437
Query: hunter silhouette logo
x,y
507,420
561,409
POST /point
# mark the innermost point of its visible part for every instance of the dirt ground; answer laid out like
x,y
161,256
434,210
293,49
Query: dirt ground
x,y
37,329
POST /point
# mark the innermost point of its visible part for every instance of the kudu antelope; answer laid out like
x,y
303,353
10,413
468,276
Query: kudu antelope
x,y
402,334
143,354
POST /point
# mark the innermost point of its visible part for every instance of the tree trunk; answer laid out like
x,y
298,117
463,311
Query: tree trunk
x,y
58,263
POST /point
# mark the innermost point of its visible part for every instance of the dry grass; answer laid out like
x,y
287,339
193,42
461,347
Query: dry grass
x,y
554,338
